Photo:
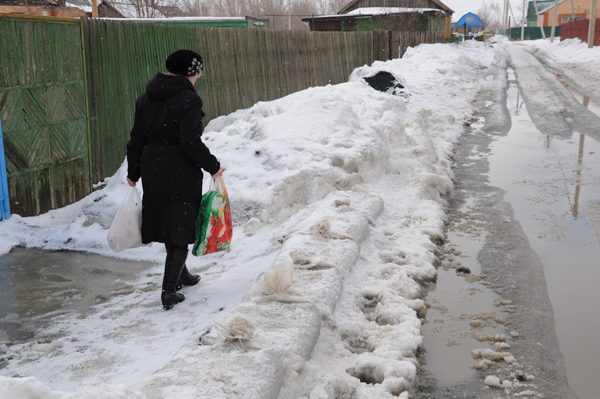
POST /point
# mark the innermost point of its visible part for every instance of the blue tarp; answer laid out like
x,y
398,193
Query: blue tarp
x,y
471,20
4,201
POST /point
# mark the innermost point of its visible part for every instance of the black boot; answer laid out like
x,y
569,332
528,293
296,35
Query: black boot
x,y
173,266
187,278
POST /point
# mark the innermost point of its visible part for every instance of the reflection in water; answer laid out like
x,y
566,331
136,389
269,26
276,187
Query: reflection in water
x,y
517,109
586,101
553,193
578,181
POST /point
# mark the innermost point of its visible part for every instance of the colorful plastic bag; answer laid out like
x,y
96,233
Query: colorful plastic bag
x,y
126,228
214,228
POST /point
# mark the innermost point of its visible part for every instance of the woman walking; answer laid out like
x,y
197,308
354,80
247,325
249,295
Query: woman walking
x,y
167,152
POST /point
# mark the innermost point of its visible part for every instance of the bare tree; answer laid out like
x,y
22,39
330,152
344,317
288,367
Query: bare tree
x,y
197,8
490,13
336,5
152,8
283,14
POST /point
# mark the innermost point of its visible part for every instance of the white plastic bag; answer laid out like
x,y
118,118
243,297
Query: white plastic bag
x,y
278,279
126,229
237,329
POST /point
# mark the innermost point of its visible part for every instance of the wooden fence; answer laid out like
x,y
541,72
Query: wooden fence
x,y
43,114
400,41
580,29
67,103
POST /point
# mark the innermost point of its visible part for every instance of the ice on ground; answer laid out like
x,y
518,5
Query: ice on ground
x,y
493,381
31,388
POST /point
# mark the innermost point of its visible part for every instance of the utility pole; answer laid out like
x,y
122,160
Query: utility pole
x,y
592,30
513,18
503,15
537,19
523,22
554,21
506,5
507,22
513,15
573,9
94,9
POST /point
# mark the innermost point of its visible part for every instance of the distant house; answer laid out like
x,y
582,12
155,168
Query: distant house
x,y
468,24
51,8
394,15
564,12
531,14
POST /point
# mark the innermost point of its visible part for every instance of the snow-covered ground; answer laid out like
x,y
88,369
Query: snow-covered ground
x,y
376,166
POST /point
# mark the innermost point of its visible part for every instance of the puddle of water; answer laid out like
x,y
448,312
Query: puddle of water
x,y
37,286
455,301
548,182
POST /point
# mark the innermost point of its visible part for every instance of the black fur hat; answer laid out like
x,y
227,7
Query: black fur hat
x,y
185,62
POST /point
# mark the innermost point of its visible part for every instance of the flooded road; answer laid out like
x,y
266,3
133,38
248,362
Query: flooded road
x,y
553,185
37,286
524,219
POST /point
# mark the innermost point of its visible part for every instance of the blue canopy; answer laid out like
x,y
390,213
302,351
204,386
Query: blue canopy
x,y
470,19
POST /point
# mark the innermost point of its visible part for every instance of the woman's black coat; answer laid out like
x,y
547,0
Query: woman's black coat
x,y
166,151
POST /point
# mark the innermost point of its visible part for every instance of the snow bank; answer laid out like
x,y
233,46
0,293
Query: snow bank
x,y
285,154
286,326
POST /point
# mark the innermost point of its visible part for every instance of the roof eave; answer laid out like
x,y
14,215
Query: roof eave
x,y
347,6
550,7
363,16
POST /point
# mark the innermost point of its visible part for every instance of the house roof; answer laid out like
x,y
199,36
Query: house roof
x,y
470,19
188,19
532,16
368,12
84,5
389,10
542,8
353,2
445,7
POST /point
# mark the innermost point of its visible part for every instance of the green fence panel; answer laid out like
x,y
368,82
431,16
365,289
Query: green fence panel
x,y
532,33
43,113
